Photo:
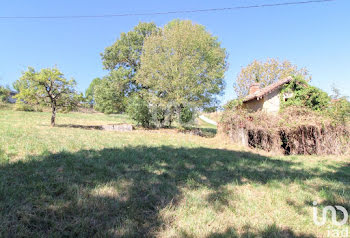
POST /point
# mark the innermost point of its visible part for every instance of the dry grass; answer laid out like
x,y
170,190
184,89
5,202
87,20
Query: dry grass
x,y
294,130
80,183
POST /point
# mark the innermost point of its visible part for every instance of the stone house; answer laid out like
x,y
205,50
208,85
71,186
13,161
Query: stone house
x,y
266,99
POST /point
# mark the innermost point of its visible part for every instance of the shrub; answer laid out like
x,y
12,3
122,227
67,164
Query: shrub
x,y
186,116
339,110
232,104
21,106
4,94
305,95
138,110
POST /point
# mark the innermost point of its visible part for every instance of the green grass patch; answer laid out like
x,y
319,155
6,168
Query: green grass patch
x,y
75,182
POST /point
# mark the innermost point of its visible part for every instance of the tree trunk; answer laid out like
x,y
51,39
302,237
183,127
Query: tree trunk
x,y
53,116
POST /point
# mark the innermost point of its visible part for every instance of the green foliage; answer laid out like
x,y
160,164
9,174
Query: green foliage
x,y
210,109
138,110
90,91
232,104
123,57
186,116
110,92
47,87
182,64
304,95
22,106
339,108
126,51
4,94
266,73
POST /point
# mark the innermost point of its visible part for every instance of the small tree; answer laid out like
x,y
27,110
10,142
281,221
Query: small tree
x,y
47,87
138,110
266,73
90,92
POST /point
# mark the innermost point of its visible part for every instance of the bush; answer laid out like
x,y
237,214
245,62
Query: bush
x,y
21,106
232,104
4,94
138,110
339,110
186,116
305,95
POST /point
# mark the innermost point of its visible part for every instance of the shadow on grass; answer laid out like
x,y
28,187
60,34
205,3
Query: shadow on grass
x,y
86,127
271,231
120,192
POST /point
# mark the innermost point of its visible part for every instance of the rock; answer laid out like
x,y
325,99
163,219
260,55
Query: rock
x,y
118,127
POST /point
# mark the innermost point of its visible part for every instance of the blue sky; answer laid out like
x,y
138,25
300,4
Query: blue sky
x,y
315,36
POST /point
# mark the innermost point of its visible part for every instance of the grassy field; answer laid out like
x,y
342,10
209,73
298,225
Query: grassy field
x,y
69,181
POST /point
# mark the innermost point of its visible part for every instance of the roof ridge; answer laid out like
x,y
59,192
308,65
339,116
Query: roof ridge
x,y
268,89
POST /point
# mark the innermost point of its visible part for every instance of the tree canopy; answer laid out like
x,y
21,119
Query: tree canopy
x,y
110,92
122,59
89,92
127,49
47,87
265,73
182,65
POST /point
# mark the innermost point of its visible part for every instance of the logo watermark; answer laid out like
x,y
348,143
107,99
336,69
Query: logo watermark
x,y
332,232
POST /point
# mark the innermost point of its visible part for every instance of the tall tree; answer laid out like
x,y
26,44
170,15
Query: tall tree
x,y
126,51
111,91
266,73
183,65
123,58
48,87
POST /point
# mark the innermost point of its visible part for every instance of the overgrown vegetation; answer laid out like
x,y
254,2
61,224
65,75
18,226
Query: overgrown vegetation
x,y
304,95
296,130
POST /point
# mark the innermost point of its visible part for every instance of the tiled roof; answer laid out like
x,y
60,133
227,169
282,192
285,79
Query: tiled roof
x,y
268,89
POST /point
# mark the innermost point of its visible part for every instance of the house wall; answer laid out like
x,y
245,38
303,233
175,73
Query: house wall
x,y
270,103
254,105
